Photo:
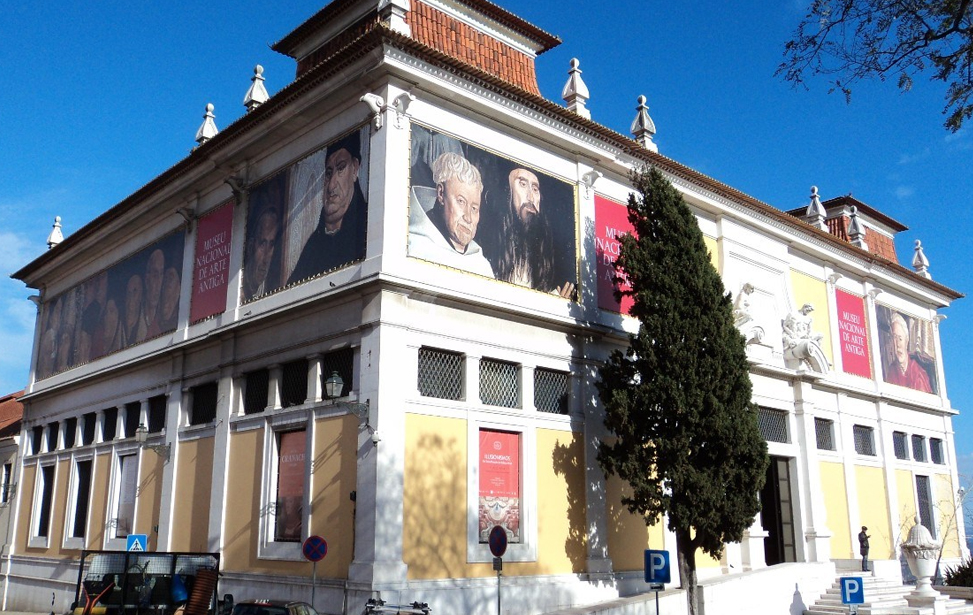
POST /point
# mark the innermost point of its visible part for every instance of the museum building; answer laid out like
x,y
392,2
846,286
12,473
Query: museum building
x,y
372,309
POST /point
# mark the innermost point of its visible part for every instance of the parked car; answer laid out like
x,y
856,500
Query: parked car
x,y
272,607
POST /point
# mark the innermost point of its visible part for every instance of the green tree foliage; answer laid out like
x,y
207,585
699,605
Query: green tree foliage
x,y
678,401
862,39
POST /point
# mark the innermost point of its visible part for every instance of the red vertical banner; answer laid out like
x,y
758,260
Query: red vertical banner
x,y
853,333
291,454
211,270
611,222
499,483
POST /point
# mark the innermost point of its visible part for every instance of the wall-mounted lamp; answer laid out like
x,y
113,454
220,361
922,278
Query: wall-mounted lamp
x,y
142,433
333,386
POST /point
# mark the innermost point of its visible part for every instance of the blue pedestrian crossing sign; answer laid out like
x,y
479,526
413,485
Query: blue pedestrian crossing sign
x,y
852,590
657,566
137,543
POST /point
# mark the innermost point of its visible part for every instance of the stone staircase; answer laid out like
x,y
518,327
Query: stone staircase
x,y
883,597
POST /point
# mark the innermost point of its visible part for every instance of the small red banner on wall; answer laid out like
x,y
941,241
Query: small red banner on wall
x,y
499,483
611,222
853,334
211,270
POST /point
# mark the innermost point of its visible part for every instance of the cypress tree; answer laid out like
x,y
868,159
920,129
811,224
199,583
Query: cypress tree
x,y
678,400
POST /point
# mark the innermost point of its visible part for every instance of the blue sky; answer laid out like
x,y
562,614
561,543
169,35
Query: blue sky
x,y
98,102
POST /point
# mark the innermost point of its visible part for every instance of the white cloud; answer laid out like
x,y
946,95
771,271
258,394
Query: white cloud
x,y
912,158
904,192
17,334
16,251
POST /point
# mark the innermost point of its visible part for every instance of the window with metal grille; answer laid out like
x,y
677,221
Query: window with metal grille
x,y
87,428
924,495
340,361
157,413
36,439
918,448
773,425
864,440
900,445
293,383
936,450
203,409
110,425
133,418
70,431
440,374
824,432
551,391
255,391
52,435
499,383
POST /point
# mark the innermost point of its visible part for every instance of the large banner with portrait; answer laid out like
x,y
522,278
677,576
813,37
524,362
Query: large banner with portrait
x,y
474,210
309,218
611,222
907,345
128,303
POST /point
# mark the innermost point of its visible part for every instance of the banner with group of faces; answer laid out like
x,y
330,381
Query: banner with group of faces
x,y
476,211
128,303
309,218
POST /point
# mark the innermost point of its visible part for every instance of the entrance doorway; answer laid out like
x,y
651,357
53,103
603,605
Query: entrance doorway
x,y
777,513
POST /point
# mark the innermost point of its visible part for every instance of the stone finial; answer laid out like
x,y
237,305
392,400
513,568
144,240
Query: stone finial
x,y
919,261
56,236
575,92
208,129
815,213
856,231
643,128
257,94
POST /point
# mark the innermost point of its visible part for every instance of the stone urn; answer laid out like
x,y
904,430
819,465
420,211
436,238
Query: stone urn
x,y
921,552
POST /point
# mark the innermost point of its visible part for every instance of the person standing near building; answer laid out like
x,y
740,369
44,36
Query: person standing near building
x,y
863,547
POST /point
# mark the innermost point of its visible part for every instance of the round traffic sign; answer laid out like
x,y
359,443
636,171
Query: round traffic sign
x,y
314,548
498,541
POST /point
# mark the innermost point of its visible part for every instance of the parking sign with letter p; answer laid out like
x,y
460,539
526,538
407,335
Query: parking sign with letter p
x,y
852,590
657,566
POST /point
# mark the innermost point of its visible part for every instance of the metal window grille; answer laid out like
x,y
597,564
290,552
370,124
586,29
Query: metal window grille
x,y
499,383
132,418
70,431
255,391
87,428
936,450
864,440
157,413
341,361
440,374
203,409
773,425
52,429
900,445
918,448
551,391
36,437
824,432
110,425
293,383
925,504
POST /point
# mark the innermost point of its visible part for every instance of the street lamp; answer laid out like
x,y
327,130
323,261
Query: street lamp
x,y
333,386
141,434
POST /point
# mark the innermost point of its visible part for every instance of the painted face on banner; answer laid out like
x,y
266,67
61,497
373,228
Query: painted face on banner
x,y
133,298
900,343
153,278
264,245
461,208
340,172
525,194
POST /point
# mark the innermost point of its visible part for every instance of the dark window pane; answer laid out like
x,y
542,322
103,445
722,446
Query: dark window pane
x,y
157,413
70,430
293,386
204,404
111,423
255,391
132,412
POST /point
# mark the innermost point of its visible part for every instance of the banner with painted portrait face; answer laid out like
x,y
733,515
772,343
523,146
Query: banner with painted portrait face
x,y
126,304
473,210
908,349
309,218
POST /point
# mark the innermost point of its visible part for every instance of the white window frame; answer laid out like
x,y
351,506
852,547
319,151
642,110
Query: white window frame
x,y
77,542
36,540
6,483
526,550
269,548
113,542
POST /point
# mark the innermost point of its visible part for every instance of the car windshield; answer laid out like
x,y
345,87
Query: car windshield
x,y
258,609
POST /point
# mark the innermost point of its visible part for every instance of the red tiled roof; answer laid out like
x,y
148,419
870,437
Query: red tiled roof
x,y
11,413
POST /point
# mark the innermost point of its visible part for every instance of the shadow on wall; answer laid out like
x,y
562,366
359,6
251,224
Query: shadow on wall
x,y
568,463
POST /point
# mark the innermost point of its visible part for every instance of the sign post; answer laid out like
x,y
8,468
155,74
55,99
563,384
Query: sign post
x,y
852,593
314,550
498,546
657,572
